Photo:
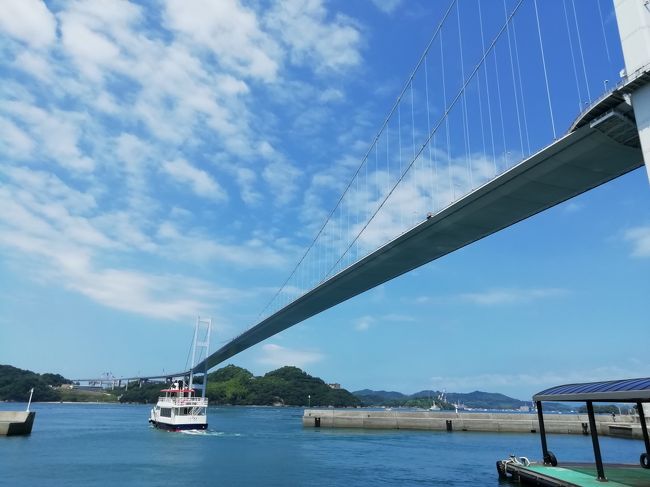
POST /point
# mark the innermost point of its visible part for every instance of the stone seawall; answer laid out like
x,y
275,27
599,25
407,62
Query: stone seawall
x,y
621,426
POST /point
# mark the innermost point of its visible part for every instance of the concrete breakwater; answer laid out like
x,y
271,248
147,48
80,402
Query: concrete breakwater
x,y
16,422
620,426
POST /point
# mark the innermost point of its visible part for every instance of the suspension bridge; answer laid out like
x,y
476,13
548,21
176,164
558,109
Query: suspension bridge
x,y
497,122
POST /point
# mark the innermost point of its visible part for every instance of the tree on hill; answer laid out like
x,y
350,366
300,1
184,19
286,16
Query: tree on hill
x,y
423,399
229,372
237,386
601,409
145,394
16,383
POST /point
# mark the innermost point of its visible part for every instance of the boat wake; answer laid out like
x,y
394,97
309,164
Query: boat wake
x,y
209,433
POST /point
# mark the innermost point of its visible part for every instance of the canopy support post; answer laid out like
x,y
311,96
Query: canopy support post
x,y
542,431
644,427
594,440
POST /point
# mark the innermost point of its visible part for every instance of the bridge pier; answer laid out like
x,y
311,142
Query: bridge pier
x,y
633,18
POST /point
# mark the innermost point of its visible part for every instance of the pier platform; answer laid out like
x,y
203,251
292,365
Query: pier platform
x,y
578,475
621,426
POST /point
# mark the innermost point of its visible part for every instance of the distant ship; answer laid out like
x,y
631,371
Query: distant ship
x,y
180,410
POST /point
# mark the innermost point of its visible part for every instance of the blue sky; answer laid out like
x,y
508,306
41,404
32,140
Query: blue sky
x,y
161,163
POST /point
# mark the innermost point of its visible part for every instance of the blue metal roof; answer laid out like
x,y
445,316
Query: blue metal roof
x,y
630,390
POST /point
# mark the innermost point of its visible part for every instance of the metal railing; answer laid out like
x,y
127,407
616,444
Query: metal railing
x,y
185,401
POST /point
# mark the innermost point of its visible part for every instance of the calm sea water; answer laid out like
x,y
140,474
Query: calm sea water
x,y
101,445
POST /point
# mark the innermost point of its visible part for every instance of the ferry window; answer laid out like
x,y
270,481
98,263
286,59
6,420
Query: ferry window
x,y
166,412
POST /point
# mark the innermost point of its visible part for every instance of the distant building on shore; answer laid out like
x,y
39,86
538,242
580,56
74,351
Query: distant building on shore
x,y
334,385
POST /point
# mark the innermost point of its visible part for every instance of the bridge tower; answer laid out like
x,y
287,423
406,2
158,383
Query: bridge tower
x,y
200,351
633,18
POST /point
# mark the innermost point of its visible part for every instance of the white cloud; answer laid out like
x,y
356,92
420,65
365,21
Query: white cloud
x,y
245,254
278,356
58,134
228,29
29,21
90,49
363,323
126,106
330,95
200,181
246,179
35,64
387,6
572,207
168,297
15,141
495,297
53,231
639,237
48,190
313,38
281,177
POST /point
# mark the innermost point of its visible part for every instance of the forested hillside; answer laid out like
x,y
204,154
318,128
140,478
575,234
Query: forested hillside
x,y
234,385
16,383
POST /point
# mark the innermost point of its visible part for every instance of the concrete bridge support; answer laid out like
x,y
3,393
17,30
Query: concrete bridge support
x,y
633,18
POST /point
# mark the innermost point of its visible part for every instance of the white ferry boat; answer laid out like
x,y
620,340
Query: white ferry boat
x,y
179,409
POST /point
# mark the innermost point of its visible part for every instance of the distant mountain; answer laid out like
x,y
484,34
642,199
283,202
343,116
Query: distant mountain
x,y
476,399
387,395
486,400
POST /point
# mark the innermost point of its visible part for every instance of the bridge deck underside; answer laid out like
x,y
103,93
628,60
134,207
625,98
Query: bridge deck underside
x,y
570,166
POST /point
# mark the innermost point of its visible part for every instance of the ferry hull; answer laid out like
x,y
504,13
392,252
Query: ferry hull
x,y
178,427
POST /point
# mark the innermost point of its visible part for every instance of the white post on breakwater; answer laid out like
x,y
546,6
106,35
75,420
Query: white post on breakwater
x,y
31,392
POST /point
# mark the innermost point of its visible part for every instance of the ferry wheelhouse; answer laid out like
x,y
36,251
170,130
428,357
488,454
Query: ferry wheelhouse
x,y
179,409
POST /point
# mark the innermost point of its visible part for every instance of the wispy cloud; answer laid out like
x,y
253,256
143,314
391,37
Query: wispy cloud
x,y
229,30
363,323
116,118
28,20
572,207
200,181
278,356
492,382
495,297
311,38
387,6
639,237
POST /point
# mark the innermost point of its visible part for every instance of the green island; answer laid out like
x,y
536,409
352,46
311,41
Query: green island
x,y
232,385
286,386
